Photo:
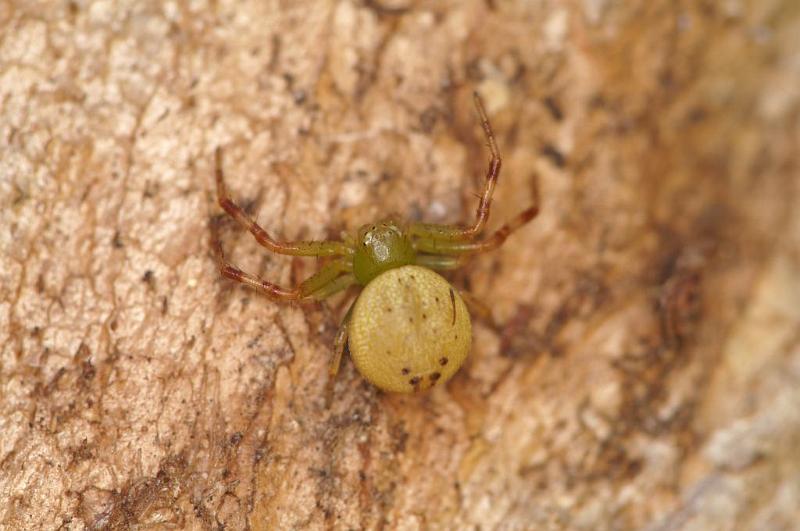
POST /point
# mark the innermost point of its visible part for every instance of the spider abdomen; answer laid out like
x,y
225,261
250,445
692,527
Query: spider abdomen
x,y
409,330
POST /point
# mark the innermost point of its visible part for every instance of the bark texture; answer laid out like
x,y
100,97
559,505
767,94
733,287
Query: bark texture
x,y
644,368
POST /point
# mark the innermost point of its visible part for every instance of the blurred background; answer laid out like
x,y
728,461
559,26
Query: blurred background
x,y
643,369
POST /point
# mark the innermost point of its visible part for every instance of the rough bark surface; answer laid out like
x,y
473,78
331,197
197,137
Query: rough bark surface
x,y
644,370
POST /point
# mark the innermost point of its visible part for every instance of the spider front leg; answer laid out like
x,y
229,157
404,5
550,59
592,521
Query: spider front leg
x,y
301,248
332,278
428,230
455,246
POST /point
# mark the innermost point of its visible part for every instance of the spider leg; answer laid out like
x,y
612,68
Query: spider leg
x,y
300,248
334,286
320,283
332,278
457,247
339,344
440,261
449,232
477,307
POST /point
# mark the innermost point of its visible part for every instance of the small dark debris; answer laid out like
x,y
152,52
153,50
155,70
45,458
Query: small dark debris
x,y
427,119
88,371
554,108
696,115
443,361
552,153
405,371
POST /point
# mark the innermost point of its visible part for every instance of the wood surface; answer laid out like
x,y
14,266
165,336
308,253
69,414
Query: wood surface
x,y
643,370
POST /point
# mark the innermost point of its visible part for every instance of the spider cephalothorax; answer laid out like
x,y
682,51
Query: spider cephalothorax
x,y
409,329
379,247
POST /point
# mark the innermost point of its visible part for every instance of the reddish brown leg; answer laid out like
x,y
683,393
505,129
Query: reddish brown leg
x,y
457,247
491,175
328,280
426,230
301,248
228,270
500,235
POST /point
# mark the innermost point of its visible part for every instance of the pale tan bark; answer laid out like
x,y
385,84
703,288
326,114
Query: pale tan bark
x,y
645,371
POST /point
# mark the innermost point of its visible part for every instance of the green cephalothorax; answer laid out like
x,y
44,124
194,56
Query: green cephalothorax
x,y
408,329
380,247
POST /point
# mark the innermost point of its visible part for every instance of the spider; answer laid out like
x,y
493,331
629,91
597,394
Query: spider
x,y
408,329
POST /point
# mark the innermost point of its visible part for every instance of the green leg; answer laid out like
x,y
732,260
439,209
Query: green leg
x,y
324,277
334,286
432,231
321,283
456,246
339,344
440,261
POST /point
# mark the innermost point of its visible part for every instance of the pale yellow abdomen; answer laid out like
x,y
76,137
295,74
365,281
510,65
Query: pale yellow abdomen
x,y
409,330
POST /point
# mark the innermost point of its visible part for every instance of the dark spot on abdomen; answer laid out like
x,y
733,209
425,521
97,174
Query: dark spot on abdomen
x,y
453,302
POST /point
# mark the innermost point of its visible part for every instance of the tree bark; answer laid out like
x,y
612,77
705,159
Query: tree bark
x,y
643,367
